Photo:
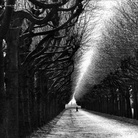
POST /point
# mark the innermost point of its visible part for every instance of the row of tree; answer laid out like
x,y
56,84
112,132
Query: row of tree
x,y
117,93
38,40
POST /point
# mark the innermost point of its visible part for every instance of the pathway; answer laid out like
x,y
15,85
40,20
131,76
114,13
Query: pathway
x,y
84,124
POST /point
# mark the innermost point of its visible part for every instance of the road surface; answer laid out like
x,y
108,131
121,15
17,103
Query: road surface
x,y
84,124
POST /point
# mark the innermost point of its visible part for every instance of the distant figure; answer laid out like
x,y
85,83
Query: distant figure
x,y
76,109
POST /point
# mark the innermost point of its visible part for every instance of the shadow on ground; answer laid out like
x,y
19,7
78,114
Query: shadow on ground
x,y
46,129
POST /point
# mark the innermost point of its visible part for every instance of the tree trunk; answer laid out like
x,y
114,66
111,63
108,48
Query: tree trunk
x,y
12,83
135,95
129,113
5,22
2,95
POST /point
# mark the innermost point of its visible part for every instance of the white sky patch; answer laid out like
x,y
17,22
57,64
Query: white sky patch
x,y
87,65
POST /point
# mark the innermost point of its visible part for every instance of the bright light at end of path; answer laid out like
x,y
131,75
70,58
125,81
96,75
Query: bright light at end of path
x,y
72,104
73,101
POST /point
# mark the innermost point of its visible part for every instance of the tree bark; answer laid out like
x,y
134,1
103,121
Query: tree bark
x,y
2,95
12,83
3,31
135,95
128,106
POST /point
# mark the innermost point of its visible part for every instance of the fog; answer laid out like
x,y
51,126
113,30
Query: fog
x,y
94,64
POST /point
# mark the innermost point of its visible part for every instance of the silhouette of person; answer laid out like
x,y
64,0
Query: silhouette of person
x,y
76,109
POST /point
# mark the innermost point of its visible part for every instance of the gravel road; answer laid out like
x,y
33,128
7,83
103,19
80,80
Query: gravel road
x,y
84,124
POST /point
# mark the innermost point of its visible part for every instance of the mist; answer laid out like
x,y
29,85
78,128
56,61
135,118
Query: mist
x,y
94,63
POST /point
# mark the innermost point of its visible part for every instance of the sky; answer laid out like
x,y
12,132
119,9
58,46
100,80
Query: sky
x,y
91,58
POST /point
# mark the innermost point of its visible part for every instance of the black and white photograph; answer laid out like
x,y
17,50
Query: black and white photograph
x,y
68,68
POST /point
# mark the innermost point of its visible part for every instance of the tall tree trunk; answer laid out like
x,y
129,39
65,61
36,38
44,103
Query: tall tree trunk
x,y
12,82
135,95
5,22
2,96
1,70
129,113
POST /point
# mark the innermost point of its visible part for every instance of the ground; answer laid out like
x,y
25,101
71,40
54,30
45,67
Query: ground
x,y
85,124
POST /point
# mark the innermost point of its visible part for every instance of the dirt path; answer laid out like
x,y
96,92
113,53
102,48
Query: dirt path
x,y
83,124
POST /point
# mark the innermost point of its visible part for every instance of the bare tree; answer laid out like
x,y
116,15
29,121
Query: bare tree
x,y
40,46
